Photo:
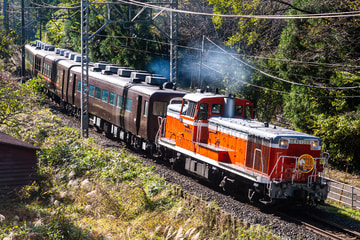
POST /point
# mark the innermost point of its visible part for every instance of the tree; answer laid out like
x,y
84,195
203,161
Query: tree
x,y
324,54
7,50
16,98
255,37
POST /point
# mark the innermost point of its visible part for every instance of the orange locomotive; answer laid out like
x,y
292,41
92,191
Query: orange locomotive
x,y
214,137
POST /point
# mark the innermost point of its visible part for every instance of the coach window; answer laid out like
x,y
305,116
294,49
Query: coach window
x,y
70,78
58,76
238,110
216,109
44,69
128,105
91,91
112,98
78,86
105,96
97,93
159,108
119,101
146,108
203,111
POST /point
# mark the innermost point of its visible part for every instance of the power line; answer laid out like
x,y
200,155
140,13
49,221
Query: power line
x,y
47,6
242,55
147,5
231,54
277,78
279,91
303,16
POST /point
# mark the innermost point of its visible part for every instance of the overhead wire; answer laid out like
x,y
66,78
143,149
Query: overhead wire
x,y
242,55
278,91
302,16
246,64
239,80
322,15
278,78
152,6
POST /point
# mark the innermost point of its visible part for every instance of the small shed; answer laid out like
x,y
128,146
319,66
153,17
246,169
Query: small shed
x,y
17,163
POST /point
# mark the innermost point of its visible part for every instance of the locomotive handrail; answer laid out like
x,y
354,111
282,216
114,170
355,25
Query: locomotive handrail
x,y
159,134
311,178
282,165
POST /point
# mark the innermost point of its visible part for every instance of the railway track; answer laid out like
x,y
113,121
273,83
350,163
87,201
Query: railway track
x,y
320,226
342,232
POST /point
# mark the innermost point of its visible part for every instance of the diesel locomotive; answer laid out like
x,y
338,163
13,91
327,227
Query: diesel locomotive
x,y
209,135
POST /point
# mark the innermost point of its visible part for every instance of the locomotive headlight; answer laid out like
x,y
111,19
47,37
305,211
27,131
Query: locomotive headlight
x,y
315,145
284,143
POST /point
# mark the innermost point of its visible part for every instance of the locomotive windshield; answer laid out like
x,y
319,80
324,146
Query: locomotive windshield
x,y
189,108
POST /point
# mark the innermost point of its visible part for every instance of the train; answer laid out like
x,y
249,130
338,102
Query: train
x,y
209,135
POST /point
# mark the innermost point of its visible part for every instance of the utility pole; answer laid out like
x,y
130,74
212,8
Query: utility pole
x,y
22,40
85,68
5,6
201,60
173,41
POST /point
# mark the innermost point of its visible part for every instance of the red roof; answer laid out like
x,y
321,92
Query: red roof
x,y
6,139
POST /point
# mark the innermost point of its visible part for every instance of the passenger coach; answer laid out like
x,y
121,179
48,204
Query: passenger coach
x,y
123,107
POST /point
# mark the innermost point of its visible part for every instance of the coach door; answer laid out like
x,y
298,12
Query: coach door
x,y
71,87
138,114
62,84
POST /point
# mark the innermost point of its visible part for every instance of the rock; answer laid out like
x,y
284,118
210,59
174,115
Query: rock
x,y
72,174
92,194
56,203
86,184
2,218
73,183
88,208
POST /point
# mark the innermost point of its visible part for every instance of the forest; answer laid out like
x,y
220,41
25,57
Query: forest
x,y
296,60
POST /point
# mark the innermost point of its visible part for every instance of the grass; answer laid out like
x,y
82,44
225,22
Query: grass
x,y
84,191
339,209
341,176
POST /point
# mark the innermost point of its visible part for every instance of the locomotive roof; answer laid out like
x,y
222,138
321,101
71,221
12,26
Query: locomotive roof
x,y
198,96
259,129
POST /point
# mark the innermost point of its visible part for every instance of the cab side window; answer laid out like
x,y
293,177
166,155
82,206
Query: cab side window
x,y
238,110
216,109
